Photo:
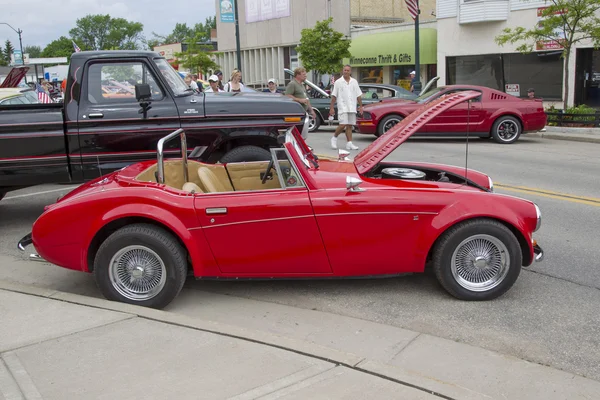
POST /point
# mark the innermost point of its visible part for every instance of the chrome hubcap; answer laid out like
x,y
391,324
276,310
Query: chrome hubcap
x,y
507,130
480,263
311,123
390,124
137,273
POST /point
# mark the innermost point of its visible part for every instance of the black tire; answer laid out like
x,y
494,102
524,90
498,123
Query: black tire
x,y
2,195
155,244
506,129
387,123
246,153
314,123
500,244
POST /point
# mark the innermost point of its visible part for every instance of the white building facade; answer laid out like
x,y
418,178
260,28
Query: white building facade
x,y
468,54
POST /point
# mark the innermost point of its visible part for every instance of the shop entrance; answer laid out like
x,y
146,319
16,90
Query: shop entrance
x,y
587,77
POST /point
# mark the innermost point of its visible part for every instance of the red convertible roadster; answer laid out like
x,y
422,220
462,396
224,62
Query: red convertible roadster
x,y
492,114
143,229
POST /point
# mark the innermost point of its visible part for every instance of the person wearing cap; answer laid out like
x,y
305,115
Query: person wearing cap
x,y
413,79
271,86
531,93
219,74
213,81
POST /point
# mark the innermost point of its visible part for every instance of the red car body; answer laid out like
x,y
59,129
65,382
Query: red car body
x,y
318,229
477,117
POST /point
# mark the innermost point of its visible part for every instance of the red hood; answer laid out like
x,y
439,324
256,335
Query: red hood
x,y
388,142
14,77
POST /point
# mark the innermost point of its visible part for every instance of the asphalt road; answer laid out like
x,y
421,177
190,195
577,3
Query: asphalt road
x,y
550,316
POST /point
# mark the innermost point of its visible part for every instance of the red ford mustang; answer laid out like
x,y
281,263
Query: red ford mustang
x,y
491,114
143,229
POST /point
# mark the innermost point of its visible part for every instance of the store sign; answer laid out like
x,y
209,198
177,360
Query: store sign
x,y
262,10
167,53
226,10
17,57
558,33
382,59
513,89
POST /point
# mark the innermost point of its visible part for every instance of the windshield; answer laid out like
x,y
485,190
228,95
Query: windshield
x,y
173,79
425,97
290,138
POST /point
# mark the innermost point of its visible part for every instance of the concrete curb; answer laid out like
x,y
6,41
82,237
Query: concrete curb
x,y
381,370
572,137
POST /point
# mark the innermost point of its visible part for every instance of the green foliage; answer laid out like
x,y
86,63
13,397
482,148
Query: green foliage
x,y
182,32
564,21
33,51
102,32
581,115
196,58
322,49
3,62
61,47
8,50
121,73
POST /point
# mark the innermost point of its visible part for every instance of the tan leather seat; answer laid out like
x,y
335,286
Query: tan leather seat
x,y
210,181
191,187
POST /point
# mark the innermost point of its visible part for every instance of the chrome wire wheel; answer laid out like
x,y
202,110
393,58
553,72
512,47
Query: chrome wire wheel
x,y
507,130
480,263
137,273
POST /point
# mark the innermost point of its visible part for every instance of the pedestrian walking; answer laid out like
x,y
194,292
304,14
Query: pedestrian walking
x,y
413,80
346,93
297,92
531,93
271,86
213,81
219,74
235,83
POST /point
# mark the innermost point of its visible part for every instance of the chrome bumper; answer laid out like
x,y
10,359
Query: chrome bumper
x,y
26,241
539,253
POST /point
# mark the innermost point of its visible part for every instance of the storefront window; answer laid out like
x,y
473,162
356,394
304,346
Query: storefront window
x,y
541,71
370,75
401,75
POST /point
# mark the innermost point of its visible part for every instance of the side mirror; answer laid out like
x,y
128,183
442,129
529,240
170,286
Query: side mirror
x,y
352,184
142,92
343,155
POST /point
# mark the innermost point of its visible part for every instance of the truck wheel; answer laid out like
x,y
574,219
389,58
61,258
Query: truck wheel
x,y
314,123
246,153
477,260
506,130
141,264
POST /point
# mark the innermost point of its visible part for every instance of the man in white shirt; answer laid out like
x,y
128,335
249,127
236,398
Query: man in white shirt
x,y
347,93
213,81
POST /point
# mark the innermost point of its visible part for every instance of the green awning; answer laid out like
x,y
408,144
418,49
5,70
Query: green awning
x,y
393,48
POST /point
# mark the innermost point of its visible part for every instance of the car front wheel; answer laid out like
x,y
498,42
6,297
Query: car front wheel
x,y
506,130
477,260
388,123
141,264
314,123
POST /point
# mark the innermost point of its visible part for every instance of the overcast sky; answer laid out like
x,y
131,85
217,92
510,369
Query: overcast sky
x,y
56,17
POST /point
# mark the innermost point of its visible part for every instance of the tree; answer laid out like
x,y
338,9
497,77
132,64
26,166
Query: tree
x,y
3,62
182,32
61,47
8,50
101,32
322,48
33,51
566,22
195,58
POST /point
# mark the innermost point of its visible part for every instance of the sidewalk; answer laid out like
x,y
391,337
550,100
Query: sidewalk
x,y
56,345
589,135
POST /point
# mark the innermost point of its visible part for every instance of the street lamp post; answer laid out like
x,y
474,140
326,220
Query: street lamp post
x,y
19,31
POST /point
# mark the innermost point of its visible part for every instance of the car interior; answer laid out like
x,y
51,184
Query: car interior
x,y
212,178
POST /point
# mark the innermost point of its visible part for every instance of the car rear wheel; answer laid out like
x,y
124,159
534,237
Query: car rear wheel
x,y
314,123
246,153
388,123
141,264
506,130
477,260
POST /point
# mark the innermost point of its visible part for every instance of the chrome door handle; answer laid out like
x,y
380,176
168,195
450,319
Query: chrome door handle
x,y
96,115
216,210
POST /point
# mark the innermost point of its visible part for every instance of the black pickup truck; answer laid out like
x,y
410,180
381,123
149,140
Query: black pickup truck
x,y
117,105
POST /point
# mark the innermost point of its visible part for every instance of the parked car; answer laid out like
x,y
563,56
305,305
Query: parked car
x,y
142,229
17,96
493,114
118,105
321,103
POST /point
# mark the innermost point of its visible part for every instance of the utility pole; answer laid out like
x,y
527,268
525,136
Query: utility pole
x,y
19,31
237,36
417,85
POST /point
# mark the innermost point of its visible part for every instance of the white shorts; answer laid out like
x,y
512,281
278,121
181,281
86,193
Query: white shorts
x,y
347,118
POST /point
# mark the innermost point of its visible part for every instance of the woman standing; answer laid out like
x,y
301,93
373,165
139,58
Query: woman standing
x,y
235,84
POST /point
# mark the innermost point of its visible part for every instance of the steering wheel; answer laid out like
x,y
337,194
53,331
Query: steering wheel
x,y
269,167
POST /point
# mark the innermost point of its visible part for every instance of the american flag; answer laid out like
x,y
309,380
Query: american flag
x,y
43,97
413,8
75,47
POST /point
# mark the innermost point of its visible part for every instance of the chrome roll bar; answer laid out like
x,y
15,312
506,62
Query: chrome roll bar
x,y
160,154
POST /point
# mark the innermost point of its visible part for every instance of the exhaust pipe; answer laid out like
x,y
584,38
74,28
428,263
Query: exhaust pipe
x,y
26,241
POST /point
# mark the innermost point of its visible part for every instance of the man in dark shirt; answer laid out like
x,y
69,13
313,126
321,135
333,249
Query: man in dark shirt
x,y
297,92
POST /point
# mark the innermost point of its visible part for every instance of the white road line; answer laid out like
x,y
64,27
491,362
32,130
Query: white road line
x,y
36,193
